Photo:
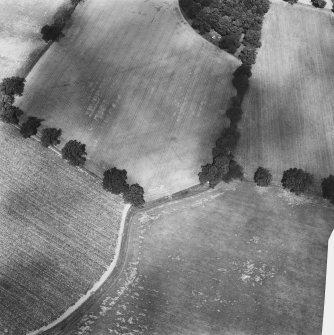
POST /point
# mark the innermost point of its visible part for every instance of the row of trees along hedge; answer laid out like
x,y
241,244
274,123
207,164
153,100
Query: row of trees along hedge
x,y
297,181
223,166
236,21
11,87
53,32
73,151
14,86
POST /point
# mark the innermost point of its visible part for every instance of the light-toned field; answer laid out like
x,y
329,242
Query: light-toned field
x,y
139,87
288,113
20,39
234,260
58,233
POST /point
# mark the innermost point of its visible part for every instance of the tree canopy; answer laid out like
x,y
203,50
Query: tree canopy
x,y
262,177
319,3
12,86
74,152
296,180
11,114
51,33
50,136
327,186
114,181
29,127
134,195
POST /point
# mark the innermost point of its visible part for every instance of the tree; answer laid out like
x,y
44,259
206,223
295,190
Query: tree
x,y
74,152
230,43
134,195
51,33
235,101
296,180
7,100
319,3
262,177
11,114
29,127
248,55
50,136
253,38
12,86
114,181
327,186
235,171
243,69
209,174
229,139
241,83
234,114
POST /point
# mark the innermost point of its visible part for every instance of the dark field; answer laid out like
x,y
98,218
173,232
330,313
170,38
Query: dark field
x,y
236,260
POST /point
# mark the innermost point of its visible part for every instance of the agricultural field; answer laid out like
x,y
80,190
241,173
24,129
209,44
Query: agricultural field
x,y
20,25
235,260
288,113
58,233
135,83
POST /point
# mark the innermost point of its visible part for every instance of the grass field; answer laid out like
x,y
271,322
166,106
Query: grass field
x,y
20,39
58,233
288,113
237,260
133,81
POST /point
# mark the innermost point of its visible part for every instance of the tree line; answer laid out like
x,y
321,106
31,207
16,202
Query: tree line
x,y
224,167
114,180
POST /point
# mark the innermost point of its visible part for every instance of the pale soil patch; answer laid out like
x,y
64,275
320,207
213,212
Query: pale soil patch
x,y
20,25
59,231
135,83
288,113
228,261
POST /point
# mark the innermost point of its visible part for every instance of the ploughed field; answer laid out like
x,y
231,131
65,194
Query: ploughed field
x,y
58,233
20,38
234,260
136,84
288,116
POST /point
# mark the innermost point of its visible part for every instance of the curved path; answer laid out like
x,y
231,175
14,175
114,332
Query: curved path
x,y
129,244
97,285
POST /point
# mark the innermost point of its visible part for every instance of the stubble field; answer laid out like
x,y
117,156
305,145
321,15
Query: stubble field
x,y
234,260
58,233
20,38
139,87
288,112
